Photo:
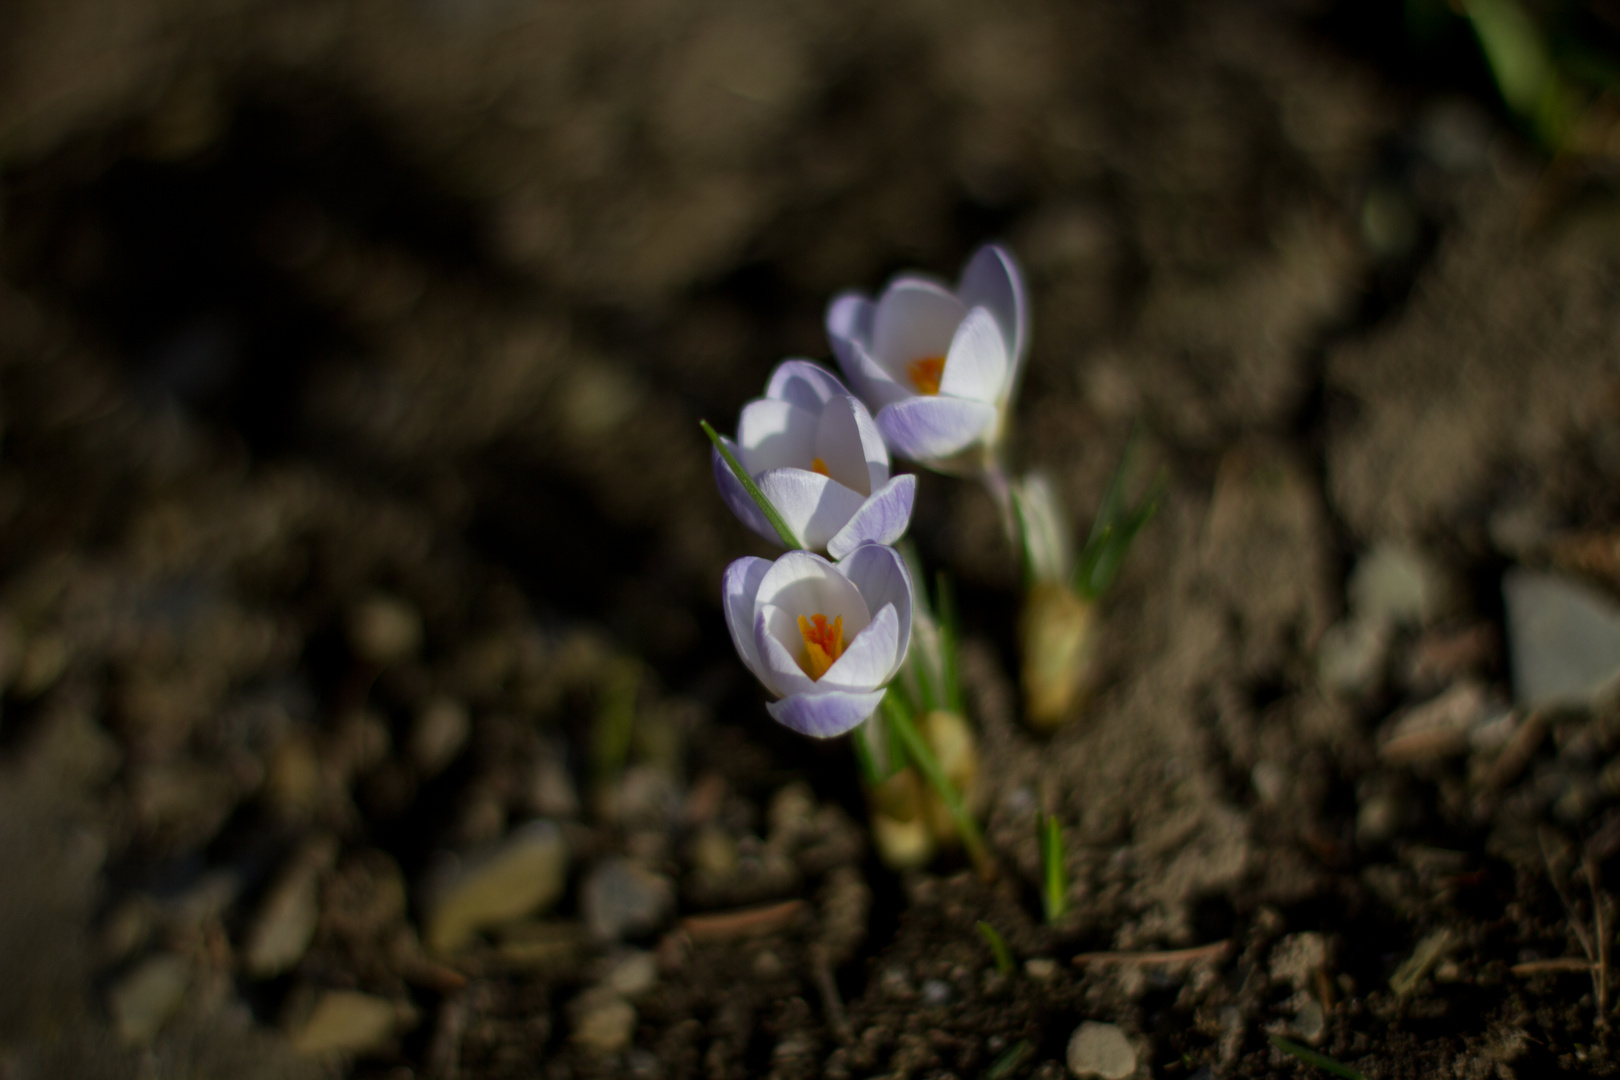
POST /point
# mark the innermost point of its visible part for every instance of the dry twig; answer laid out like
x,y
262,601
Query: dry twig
x,y
1155,959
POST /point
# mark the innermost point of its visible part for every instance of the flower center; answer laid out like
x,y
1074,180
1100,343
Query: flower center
x,y
819,466
823,643
926,373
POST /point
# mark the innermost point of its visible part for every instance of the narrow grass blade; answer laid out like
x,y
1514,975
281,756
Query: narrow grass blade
x,y
1311,1057
918,751
1054,876
998,946
778,522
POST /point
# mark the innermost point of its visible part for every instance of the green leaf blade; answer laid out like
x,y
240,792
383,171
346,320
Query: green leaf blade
x,y
772,515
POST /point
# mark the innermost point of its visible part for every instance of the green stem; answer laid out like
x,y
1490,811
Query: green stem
x,y
1054,881
917,749
772,515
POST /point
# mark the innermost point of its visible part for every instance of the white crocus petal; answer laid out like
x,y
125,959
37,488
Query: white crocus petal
x,y
779,645
932,429
737,591
879,574
814,506
916,318
805,584
868,659
776,435
803,383
878,387
976,366
882,518
824,716
842,450
991,280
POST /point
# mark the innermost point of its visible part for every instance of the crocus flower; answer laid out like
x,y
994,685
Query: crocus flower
x,y
813,450
824,637
938,366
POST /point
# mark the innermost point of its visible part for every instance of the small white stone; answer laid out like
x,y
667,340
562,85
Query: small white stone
x,y
603,1021
1563,639
1101,1050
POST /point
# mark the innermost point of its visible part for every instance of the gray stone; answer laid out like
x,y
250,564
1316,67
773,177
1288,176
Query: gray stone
x,y
1101,1050
1350,656
1563,639
142,1001
521,875
622,899
632,974
1310,1023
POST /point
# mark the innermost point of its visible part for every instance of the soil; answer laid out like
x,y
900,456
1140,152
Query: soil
x,y
351,359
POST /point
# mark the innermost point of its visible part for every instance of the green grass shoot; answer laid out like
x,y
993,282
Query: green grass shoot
x,y
1311,1057
1054,877
922,756
998,947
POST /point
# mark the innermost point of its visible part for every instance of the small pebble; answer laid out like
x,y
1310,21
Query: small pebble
x,y
603,1021
1309,1022
633,974
285,923
1040,968
384,629
1101,1050
438,735
142,1001
936,991
523,874
345,1021
622,899
1563,639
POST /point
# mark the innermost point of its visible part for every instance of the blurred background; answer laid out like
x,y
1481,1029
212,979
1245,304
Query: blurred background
x,y
351,359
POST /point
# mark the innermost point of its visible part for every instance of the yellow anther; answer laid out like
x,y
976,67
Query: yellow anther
x,y
823,643
926,373
817,465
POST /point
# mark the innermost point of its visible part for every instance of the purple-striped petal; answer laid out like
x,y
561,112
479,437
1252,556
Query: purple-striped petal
x,y
738,588
873,382
870,658
930,429
879,574
814,506
991,280
736,496
803,383
882,519
849,320
824,715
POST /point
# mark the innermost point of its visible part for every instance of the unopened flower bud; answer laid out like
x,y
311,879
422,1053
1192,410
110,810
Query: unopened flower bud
x,y
900,826
957,751
1058,652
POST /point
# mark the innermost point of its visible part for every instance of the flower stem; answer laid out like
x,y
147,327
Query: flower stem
x,y
918,750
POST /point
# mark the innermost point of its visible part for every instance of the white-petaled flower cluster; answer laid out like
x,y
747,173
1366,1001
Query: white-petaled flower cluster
x,y
939,368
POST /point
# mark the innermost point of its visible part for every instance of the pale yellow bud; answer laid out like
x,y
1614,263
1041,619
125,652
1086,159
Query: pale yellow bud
x,y
900,829
957,751
1056,631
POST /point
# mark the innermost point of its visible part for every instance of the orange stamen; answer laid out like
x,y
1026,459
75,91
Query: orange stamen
x,y
817,465
823,644
926,373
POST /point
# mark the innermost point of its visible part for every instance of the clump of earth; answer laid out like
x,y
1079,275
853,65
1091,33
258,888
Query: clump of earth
x,y
367,706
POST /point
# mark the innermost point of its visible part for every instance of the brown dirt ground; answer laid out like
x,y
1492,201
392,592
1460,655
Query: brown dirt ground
x,y
318,309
